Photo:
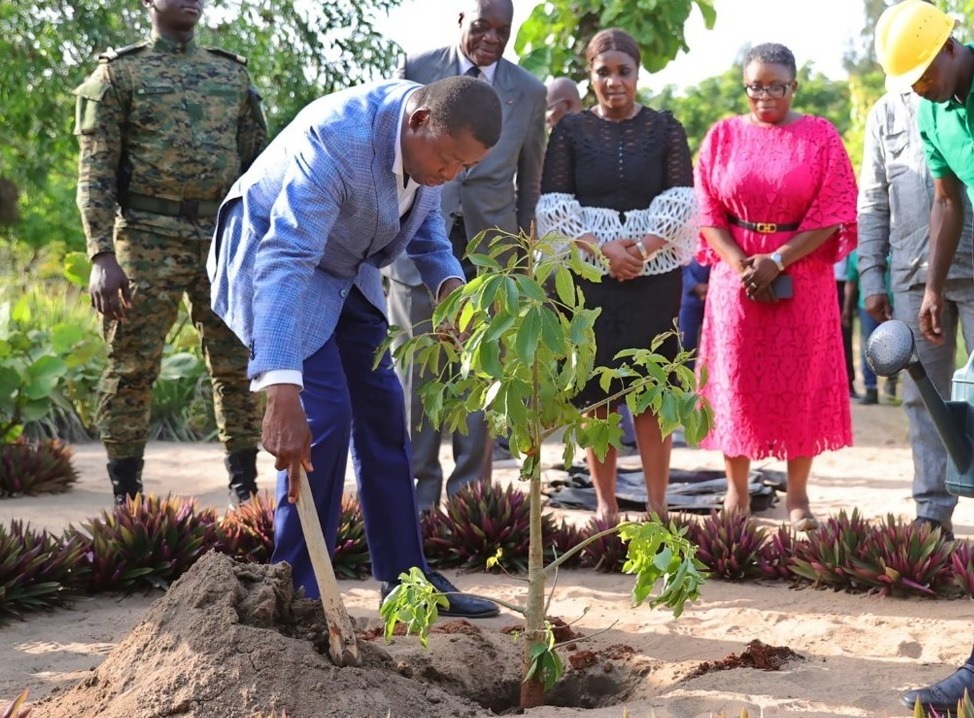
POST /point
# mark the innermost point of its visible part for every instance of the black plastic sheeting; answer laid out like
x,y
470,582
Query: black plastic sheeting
x,y
699,490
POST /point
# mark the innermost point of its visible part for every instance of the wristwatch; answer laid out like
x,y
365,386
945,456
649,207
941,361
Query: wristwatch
x,y
779,262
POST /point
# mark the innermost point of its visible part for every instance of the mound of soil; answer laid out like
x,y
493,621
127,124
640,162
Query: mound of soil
x,y
757,655
230,640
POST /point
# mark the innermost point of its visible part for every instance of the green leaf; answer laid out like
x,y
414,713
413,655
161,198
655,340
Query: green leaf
x,y
20,311
10,381
564,286
65,336
528,334
488,359
77,269
43,376
180,365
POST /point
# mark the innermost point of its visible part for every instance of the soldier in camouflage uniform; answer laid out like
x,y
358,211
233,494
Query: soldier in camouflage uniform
x,y
165,128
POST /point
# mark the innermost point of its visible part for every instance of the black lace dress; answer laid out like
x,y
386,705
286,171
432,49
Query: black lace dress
x,y
622,166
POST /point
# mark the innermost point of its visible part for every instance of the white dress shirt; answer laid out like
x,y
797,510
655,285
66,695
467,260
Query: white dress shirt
x,y
486,72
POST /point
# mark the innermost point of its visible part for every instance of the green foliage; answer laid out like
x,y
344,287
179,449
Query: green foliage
x,y
37,570
901,559
552,40
351,558
182,400
825,556
47,317
49,47
698,108
729,544
35,362
528,353
481,522
145,543
864,90
544,663
247,532
603,549
415,603
660,556
32,468
774,557
53,317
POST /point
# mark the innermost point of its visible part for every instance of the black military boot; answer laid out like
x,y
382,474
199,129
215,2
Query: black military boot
x,y
242,467
126,476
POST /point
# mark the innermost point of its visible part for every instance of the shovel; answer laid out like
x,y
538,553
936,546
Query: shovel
x,y
342,647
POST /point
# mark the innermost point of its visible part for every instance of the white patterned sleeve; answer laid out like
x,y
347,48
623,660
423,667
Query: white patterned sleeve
x,y
672,215
561,214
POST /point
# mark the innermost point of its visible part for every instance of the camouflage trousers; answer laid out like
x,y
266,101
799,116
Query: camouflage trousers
x,y
160,270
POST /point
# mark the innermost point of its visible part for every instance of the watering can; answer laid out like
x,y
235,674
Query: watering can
x,y
891,349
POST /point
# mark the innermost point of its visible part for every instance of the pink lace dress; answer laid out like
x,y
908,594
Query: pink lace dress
x,y
776,376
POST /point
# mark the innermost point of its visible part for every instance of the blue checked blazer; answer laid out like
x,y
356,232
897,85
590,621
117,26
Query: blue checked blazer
x,y
315,214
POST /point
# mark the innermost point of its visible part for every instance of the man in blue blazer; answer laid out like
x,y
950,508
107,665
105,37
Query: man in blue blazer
x,y
501,191
344,189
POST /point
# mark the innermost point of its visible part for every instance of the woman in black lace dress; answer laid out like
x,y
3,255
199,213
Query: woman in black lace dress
x,y
611,174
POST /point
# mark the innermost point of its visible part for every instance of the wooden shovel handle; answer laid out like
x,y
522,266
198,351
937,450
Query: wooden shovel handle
x,y
342,646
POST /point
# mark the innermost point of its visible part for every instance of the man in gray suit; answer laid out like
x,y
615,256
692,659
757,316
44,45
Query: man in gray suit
x,y
499,192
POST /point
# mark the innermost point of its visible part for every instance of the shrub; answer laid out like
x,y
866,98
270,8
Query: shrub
x,y
776,554
147,542
825,556
483,521
607,553
37,570
729,544
901,558
962,565
247,532
31,468
352,558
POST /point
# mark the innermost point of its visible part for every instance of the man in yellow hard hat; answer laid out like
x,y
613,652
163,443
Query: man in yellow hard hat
x,y
914,44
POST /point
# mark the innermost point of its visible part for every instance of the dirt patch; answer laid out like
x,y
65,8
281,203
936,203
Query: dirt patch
x,y
230,640
757,655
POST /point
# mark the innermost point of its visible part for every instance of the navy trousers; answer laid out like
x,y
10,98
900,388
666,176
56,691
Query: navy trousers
x,y
345,399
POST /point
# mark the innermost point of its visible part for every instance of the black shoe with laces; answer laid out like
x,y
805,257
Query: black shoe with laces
x,y
943,696
461,606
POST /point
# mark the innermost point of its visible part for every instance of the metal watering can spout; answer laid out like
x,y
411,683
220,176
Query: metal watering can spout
x,y
891,348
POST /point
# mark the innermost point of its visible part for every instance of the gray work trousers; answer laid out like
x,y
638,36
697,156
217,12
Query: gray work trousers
x,y
411,306
929,455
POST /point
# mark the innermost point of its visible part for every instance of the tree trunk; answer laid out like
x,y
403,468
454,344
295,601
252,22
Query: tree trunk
x,y
532,691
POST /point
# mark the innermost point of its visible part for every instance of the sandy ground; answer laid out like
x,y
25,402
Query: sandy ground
x,y
859,652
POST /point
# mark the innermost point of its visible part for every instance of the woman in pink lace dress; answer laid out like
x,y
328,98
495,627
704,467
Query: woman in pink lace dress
x,y
777,198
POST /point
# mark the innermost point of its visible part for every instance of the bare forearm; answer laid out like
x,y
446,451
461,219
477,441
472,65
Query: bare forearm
x,y
946,225
804,243
721,241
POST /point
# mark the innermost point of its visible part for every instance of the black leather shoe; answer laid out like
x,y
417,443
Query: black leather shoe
x,y
943,696
461,606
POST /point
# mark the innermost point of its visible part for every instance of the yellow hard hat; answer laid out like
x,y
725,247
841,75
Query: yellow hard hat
x,y
909,35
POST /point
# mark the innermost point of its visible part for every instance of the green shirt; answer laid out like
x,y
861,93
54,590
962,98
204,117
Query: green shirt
x,y
947,130
852,275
